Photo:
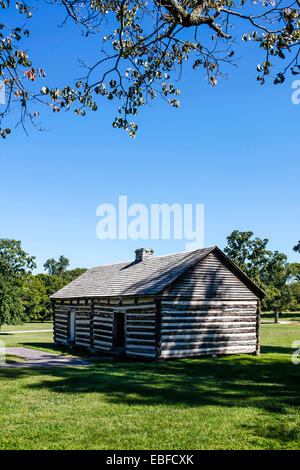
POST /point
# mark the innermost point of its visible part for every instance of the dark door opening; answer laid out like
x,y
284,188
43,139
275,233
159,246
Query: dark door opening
x,y
119,330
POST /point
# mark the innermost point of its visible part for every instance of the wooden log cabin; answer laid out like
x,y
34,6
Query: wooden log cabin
x,y
196,303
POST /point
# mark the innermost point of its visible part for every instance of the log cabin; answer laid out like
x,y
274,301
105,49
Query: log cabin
x,y
190,304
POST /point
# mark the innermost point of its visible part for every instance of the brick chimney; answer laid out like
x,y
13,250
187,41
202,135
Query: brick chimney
x,y
141,254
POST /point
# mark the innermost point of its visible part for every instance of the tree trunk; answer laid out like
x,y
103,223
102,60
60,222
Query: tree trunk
x,y
276,315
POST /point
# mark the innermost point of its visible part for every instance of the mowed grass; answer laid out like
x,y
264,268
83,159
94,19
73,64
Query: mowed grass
x,y
47,325
232,402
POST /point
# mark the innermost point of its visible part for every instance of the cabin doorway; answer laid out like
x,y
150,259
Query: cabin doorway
x,y
71,327
119,332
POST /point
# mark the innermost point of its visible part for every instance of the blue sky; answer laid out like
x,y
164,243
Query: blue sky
x,y
234,148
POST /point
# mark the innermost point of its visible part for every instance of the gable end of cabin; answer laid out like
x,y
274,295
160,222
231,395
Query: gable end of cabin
x,y
210,310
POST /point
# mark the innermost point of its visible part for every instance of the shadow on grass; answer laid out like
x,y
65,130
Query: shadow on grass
x,y
58,348
231,381
281,431
276,350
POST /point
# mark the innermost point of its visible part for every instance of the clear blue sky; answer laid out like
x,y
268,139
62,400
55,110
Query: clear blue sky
x,y
234,148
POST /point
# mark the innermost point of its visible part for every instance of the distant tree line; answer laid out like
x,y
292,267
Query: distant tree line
x,y
25,296
270,270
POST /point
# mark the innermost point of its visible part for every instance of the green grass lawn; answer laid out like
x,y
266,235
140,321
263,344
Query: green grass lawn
x,y
232,402
47,325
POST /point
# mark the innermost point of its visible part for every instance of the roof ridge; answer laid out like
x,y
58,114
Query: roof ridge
x,y
154,257
187,251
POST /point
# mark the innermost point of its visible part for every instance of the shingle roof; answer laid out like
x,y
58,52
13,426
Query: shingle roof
x,y
150,276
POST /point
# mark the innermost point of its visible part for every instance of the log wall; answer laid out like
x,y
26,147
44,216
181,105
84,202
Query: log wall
x,y
61,323
94,325
141,329
201,328
83,314
103,326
